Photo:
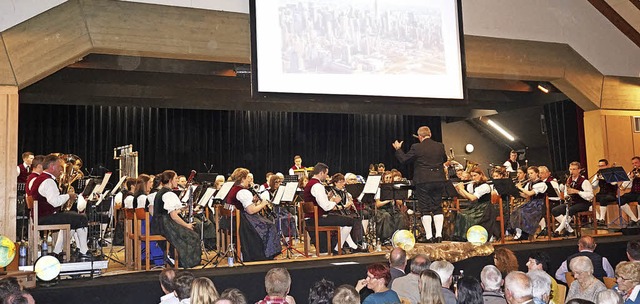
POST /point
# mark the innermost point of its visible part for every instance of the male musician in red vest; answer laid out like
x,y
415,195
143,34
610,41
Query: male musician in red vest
x,y
297,165
36,170
315,192
45,191
25,167
578,194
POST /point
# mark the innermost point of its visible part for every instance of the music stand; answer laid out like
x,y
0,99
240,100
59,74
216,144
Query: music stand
x,y
230,253
505,186
286,194
616,175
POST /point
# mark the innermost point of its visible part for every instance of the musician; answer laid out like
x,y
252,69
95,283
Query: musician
x,y
166,221
428,157
265,186
315,192
634,195
297,165
524,219
286,219
47,194
263,242
140,191
554,200
481,211
155,187
381,168
500,172
347,207
36,170
182,182
24,168
607,191
125,195
578,194
388,217
512,163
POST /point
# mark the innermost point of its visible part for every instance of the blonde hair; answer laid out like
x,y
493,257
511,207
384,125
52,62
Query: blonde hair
x,y
238,175
203,291
629,271
430,288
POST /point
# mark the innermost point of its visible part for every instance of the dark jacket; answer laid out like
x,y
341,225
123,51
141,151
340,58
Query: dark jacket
x,y
428,158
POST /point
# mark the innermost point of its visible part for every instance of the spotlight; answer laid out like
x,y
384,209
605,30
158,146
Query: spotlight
x,y
500,129
544,88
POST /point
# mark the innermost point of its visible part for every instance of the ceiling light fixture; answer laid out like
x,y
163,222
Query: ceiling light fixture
x,y
543,88
501,130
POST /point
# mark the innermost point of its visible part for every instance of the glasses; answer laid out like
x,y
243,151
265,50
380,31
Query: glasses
x,y
621,277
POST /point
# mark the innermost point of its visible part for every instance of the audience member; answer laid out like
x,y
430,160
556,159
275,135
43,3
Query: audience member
x,y
578,301
469,291
505,260
345,294
586,246
540,286
430,288
408,286
633,250
203,291
398,263
378,276
166,283
628,278
585,286
517,288
277,282
232,296
491,280
609,296
540,261
321,292
182,284
8,286
18,297
444,270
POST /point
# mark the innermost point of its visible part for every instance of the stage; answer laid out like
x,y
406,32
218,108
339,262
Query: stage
x,y
143,287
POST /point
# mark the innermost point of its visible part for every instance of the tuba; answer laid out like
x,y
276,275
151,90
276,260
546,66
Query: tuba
x,y
71,172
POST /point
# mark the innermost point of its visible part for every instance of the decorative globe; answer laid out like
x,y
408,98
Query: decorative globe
x,y
403,239
7,251
477,235
47,268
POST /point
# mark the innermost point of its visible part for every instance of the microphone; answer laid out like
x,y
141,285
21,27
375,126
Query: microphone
x,y
103,168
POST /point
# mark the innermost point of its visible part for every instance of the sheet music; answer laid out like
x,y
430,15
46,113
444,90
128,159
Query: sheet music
x,y
279,193
289,192
206,197
185,198
371,186
117,187
224,190
98,189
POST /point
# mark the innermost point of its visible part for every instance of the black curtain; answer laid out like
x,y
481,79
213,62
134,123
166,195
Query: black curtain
x,y
564,125
182,139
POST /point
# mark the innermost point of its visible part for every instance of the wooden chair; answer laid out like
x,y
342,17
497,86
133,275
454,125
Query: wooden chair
x,y
496,199
311,208
562,290
548,217
223,237
609,282
34,234
591,215
131,240
569,277
139,215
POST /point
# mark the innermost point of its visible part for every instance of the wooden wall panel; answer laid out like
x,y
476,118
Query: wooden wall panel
x,y
168,32
47,43
595,142
6,72
621,93
8,151
619,139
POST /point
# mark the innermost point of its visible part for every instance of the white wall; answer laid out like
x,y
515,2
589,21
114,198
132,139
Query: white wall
x,y
575,22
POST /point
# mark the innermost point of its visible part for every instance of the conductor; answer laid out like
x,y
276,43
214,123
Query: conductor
x,y
428,157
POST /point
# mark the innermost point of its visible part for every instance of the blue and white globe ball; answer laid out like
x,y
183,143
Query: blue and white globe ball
x,y
477,235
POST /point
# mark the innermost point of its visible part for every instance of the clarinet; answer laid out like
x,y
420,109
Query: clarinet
x,y
190,193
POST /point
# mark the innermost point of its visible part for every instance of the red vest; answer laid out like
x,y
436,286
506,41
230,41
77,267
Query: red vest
x,y
27,190
233,200
44,208
308,197
24,173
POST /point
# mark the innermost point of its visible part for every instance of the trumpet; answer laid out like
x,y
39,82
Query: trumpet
x,y
634,173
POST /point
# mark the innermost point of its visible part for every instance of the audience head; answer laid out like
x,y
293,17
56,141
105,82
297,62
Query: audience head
x,y
540,285
398,258
233,296
505,260
378,276
609,296
627,275
538,260
578,301
321,292
18,297
430,287
420,263
444,270
491,278
9,286
586,243
582,268
469,291
166,280
182,284
277,282
345,294
517,287
203,291
633,250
